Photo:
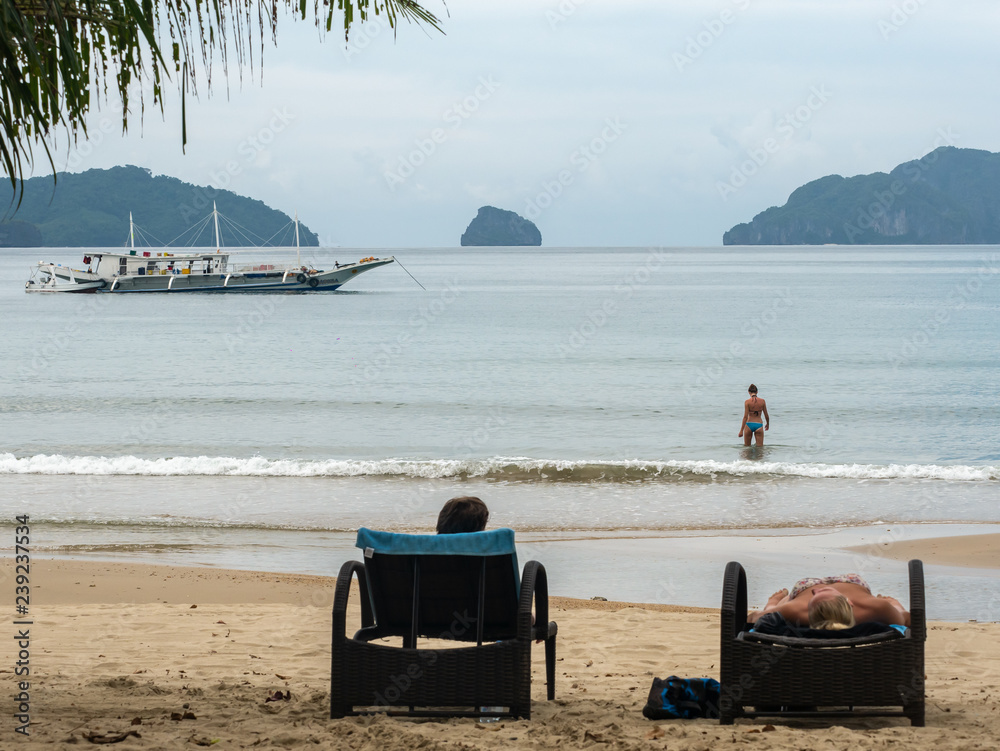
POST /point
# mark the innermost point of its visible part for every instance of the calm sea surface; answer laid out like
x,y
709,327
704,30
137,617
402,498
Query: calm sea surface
x,y
582,393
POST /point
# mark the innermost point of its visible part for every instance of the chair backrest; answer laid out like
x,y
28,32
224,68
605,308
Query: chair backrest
x,y
462,586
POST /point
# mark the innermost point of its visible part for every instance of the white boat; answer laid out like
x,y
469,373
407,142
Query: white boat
x,y
146,270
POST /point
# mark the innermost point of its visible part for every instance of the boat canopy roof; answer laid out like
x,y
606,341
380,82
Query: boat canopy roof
x,y
142,255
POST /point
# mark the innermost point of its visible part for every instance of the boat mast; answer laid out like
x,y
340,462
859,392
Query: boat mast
x,y
131,231
215,216
298,255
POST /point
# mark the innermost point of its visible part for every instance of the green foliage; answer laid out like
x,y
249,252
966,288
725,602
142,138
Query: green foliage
x,y
496,227
18,234
950,196
91,209
55,53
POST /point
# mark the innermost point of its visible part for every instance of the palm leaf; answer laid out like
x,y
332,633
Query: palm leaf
x,y
55,53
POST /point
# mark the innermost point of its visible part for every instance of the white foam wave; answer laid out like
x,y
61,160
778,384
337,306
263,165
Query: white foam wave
x,y
959,472
511,468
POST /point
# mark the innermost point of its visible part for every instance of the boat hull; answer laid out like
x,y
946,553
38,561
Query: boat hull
x,y
52,277
265,281
78,288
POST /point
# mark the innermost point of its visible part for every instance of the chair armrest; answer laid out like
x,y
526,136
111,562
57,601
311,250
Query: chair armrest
x,y
734,600
918,615
534,587
341,594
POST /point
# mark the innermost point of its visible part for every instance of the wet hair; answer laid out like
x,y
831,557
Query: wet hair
x,y
835,613
463,514
752,389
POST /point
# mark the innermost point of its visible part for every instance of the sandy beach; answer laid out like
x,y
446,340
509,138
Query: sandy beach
x,y
968,551
166,657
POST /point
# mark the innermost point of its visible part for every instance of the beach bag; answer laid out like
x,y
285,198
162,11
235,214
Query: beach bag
x,y
676,698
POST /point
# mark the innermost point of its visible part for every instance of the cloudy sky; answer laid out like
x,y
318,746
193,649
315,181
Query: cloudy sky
x,y
608,122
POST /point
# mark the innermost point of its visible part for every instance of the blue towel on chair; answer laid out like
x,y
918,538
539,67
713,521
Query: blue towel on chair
x,y
494,542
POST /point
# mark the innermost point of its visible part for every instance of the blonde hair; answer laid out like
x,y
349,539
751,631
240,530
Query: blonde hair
x,y
835,613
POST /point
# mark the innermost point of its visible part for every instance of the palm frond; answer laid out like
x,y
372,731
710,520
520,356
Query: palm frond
x,y
55,53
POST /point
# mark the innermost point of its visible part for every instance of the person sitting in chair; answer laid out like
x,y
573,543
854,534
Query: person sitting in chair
x,y
466,514
463,514
833,603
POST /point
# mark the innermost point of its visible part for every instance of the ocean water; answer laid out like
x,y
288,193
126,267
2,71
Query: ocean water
x,y
591,396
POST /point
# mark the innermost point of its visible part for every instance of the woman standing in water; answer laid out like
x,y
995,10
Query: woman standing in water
x,y
752,425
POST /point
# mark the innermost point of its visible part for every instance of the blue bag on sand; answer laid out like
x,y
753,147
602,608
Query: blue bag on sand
x,y
676,698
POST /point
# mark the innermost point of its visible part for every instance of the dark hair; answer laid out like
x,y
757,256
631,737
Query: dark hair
x,y
463,514
752,389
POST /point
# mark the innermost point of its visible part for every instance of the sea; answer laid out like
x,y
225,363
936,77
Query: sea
x,y
590,396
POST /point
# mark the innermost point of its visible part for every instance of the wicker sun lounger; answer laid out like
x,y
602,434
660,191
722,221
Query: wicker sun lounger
x,y
459,588
795,677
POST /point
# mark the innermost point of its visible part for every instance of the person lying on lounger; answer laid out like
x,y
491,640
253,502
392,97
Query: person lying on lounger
x,y
833,602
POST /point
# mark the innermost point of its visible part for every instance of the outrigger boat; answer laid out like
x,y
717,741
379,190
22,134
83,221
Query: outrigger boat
x,y
138,270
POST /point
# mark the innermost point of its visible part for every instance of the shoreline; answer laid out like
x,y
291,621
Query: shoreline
x,y
78,581
681,569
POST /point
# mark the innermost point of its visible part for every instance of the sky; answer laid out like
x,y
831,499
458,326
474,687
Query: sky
x,y
606,122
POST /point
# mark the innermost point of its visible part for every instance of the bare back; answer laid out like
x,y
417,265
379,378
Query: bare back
x,y
867,607
754,407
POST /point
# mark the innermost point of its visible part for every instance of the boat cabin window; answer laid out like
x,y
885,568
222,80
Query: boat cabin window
x,y
122,266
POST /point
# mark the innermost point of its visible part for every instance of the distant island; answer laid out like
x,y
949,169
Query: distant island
x,y
90,210
493,226
951,196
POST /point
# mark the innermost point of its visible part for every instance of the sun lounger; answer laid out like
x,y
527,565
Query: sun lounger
x,y
447,588
786,676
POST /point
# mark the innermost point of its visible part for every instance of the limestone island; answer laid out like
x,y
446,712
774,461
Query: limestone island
x,y
493,226
948,197
91,210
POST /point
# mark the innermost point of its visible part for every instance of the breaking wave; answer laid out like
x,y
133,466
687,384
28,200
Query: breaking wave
x,y
507,469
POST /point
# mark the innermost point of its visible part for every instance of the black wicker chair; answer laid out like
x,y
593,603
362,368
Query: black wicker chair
x,y
789,677
461,587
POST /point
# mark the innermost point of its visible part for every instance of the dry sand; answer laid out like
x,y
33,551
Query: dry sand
x,y
174,658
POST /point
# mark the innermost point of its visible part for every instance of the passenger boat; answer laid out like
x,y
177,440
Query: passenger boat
x,y
147,270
